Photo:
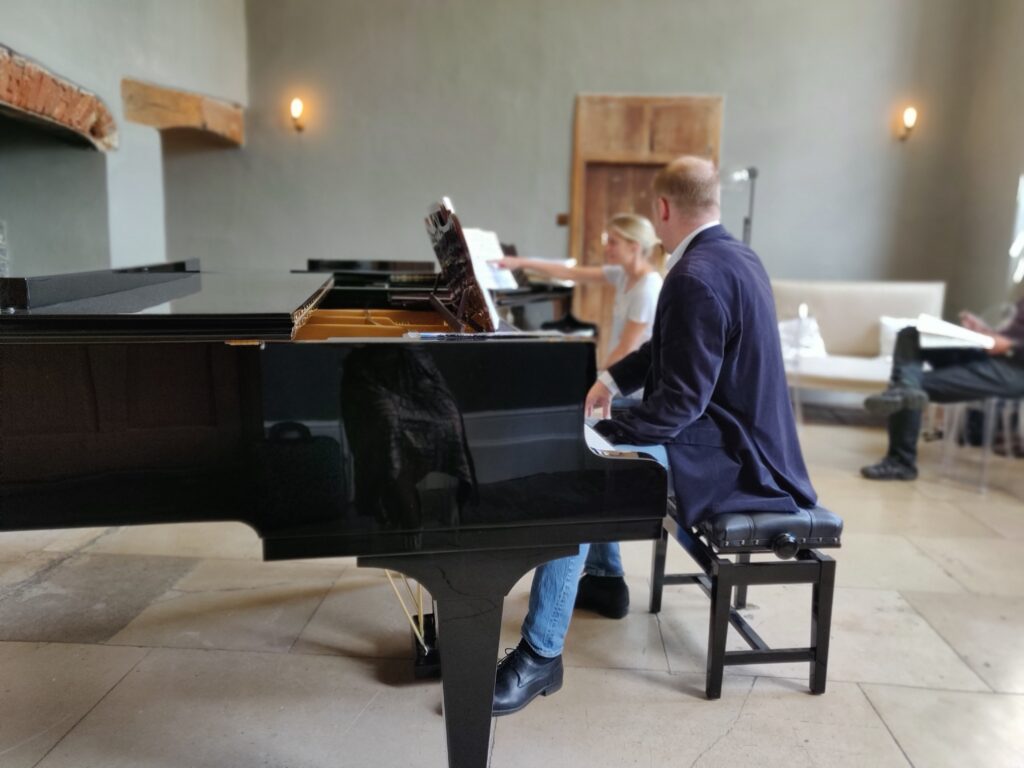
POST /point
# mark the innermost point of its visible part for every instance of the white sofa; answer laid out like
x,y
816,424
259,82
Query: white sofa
x,y
848,315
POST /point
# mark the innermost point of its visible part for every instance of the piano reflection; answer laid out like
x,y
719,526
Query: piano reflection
x,y
417,436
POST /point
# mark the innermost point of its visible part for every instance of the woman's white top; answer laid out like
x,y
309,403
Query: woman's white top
x,y
637,304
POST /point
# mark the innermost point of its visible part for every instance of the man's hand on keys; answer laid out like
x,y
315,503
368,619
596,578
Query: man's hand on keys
x,y
599,401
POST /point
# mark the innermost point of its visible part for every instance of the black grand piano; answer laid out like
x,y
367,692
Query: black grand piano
x,y
417,437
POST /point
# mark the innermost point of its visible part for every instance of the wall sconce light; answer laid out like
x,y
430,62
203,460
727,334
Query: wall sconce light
x,y
297,108
908,122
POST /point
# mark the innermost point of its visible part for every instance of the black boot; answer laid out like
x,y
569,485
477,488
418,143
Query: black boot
x,y
606,595
896,398
522,676
889,469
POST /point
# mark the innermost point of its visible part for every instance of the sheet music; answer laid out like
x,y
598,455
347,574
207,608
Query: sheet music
x,y
492,310
484,248
928,325
595,441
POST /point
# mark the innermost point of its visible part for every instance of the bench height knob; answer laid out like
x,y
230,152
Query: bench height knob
x,y
785,546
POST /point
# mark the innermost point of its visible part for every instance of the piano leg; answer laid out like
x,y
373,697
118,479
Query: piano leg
x,y
469,588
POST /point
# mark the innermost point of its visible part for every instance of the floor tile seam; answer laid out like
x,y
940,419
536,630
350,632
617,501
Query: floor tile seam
x,y
18,559
227,649
730,727
360,714
113,645
990,694
664,643
276,586
36,735
404,659
964,590
735,672
205,558
571,665
938,564
925,534
697,675
37,577
882,719
938,689
390,660
51,641
313,613
995,534
949,644
93,707
299,653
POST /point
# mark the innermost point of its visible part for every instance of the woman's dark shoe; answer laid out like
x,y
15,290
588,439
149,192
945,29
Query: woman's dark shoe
x,y
889,469
606,595
522,676
896,399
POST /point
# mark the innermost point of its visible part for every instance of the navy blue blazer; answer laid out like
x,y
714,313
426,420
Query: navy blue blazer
x,y
715,387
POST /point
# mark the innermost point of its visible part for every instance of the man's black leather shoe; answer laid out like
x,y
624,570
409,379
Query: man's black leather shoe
x,y
606,595
521,677
896,399
889,469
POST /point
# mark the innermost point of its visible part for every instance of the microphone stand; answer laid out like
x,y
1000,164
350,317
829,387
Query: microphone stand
x,y
748,220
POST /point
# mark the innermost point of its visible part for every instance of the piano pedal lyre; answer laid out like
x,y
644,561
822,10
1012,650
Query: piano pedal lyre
x,y
424,630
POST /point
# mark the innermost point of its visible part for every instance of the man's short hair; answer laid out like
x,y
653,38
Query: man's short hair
x,y
689,183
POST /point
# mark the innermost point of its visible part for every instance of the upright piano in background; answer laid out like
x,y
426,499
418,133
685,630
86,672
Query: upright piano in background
x,y
166,394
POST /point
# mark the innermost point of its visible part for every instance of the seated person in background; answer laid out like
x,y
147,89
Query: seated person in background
x,y
632,254
957,377
715,408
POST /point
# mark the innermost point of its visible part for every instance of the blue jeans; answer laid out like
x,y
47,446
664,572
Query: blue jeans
x,y
553,593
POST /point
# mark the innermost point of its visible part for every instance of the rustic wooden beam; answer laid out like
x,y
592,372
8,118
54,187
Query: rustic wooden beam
x,y
164,108
29,91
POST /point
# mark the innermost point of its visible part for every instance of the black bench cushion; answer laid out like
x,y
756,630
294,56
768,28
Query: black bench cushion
x,y
737,531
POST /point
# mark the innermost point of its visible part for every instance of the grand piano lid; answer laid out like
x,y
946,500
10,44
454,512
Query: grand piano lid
x,y
144,303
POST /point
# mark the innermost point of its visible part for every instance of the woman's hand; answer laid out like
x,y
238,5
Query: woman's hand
x,y
510,262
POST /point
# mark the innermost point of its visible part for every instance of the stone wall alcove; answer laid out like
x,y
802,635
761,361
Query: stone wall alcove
x,y
54,136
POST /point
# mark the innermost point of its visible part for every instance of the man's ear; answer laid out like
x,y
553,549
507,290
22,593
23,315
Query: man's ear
x,y
662,209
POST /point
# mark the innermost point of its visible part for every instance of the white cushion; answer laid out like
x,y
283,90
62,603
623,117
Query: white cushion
x,y
840,372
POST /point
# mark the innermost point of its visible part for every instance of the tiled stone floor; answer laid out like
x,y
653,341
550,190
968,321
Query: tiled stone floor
x,y
175,646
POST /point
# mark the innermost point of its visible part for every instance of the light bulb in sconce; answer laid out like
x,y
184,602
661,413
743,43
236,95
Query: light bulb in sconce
x,y
744,174
297,108
909,121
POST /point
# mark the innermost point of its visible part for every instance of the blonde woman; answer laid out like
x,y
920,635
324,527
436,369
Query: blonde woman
x,y
632,255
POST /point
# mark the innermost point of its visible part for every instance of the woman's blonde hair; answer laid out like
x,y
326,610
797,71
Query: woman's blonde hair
x,y
638,229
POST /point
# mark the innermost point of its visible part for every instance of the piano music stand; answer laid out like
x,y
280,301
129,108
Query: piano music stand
x,y
456,320
474,307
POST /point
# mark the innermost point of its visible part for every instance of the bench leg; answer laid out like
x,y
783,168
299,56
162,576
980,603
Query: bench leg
x,y
718,628
741,589
659,552
821,623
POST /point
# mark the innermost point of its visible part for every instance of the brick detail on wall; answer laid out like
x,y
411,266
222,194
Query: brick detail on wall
x,y
28,89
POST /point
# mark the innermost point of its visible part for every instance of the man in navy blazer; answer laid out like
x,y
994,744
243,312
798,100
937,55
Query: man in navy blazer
x,y
715,404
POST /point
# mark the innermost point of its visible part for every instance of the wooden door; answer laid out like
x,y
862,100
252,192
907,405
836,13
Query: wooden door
x,y
620,143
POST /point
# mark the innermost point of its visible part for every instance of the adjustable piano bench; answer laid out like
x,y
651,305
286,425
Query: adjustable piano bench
x,y
795,540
